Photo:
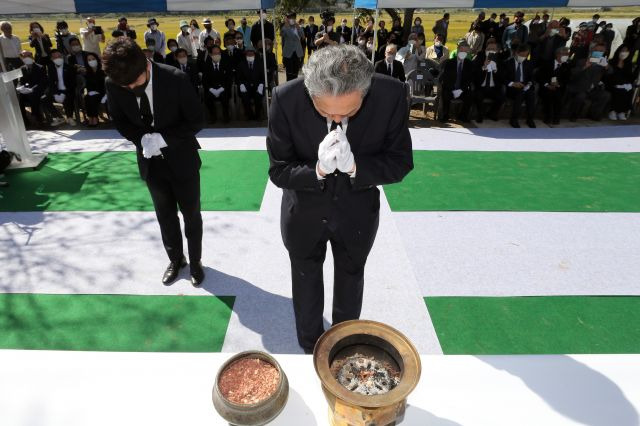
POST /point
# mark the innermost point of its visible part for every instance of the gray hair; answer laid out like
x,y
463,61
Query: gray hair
x,y
337,70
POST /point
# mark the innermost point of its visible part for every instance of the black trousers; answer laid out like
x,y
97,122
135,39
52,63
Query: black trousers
x,y
552,102
168,194
210,102
518,96
621,100
599,100
92,104
291,65
447,97
493,93
308,288
252,102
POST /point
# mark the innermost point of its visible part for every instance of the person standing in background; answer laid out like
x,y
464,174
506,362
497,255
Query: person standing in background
x,y
194,36
256,29
245,30
10,46
442,27
41,43
292,35
310,32
208,31
63,35
184,39
417,26
123,29
160,44
92,36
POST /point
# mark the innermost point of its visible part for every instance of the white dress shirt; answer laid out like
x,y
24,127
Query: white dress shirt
x,y
10,46
61,85
149,92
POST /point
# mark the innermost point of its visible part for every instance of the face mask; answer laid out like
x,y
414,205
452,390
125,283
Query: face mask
x,y
76,49
390,58
230,47
216,58
93,64
344,24
491,52
264,15
292,22
182,61
624,55
250,59
184,29
330,28
154,27
64,31
369,45
37,30
564,59
595,19
193,27
90,25
361,42
27,61
597,54
462,55
173,48
58,61
554,31
412,42
437,44
520,59
492,19
418,22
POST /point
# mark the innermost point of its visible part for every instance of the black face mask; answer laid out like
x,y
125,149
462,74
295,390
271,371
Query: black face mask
x,y
139,90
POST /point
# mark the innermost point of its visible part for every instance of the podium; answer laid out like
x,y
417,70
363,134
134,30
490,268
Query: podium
x,y
12,125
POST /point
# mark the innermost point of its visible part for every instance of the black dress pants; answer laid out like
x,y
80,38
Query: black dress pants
x,y
168,194
552,102
495,94
308,288
291,65
518,96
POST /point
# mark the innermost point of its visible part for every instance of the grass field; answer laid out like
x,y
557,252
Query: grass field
x,y
459,24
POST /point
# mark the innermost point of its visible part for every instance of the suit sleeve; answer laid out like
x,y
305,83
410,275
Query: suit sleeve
x,y
396,160
191,112
401,75
286,170
120,119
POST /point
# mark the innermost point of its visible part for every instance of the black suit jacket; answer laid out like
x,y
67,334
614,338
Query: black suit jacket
x,y
346,33
310,32
398,69
68,75
546,72
508,70
178,117
380,142
480,75
449,74
250,78
34,75
223,77
191,69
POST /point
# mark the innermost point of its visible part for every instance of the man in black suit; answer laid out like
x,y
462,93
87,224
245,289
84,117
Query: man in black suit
x,y
155,107
344,31
553,79
586,83
187,66
442,27
518,78
327,36
217,77
62,84
31,88
456,76
250,81
330,145
487,83
390,66
310,32
256,29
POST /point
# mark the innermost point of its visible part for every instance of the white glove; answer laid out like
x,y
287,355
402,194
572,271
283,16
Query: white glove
x,y
59,97
243,89
93,93
260,89
104,99
213,91
23,90
220,90
628,87
527,87
457,93
151,144
328,152
345,160
159,140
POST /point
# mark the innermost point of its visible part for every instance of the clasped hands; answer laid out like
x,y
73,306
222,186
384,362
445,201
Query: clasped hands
x,y
334,153
151,144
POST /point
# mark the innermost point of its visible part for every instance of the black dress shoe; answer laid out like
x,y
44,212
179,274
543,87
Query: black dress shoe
x,y
531,124
173,270
514,123
197,273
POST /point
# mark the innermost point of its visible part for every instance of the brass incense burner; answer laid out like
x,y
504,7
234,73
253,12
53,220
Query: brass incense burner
x,y
370,340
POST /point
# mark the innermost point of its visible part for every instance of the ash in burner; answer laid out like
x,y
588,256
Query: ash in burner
x,y
365,375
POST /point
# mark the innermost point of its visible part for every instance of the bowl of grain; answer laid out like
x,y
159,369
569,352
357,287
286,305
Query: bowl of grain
x,y
250,389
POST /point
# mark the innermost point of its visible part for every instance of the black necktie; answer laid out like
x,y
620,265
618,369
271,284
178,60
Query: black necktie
x,y
184,68
459,76
334,125
250,66
389,68
519,72
145,111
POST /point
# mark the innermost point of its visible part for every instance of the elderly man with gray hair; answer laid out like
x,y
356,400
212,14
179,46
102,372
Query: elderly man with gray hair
x,y
334,135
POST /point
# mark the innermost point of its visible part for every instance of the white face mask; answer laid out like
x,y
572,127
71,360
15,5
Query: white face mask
x,y
462,55
27,61
554,31
390,58
292,22
184,29
437,44
58,61
37,30
216,58
520,59
90,25
154,27
369,45
93,64
173,48
412,42
491,52
330,28
624,55
182,61
250,59
418,22
64,32
564,59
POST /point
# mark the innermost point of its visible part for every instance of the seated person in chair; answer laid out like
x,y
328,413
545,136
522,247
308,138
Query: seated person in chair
x,y
62,84
456,77
250,81
217,79
518,78
486,73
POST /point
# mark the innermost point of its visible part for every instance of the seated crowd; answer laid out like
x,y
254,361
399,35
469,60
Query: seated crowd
x,y
542,62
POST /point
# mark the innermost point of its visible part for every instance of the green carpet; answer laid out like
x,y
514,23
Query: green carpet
x,y
519,181
114,322
536,325
109,181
